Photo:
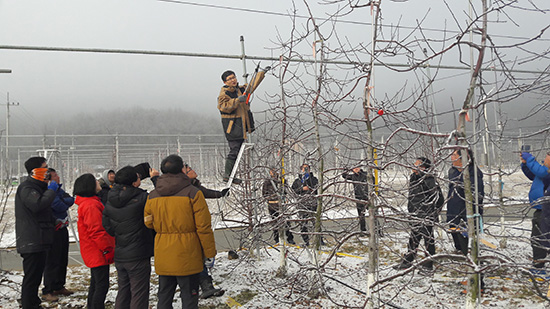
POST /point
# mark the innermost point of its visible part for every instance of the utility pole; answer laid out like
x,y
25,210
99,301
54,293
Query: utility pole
x,y
116,152
8,103
1,161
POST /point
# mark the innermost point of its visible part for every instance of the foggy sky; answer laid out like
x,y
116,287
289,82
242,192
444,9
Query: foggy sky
x,y
67,83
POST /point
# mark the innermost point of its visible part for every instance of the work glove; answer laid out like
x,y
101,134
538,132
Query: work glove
x,y
59,224
242,98
266,69
526,156
209,262
109,255
53,186
225,192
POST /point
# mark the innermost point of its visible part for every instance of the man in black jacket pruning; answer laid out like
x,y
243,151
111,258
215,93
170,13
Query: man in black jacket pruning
x,y
34,228
361,190
425,202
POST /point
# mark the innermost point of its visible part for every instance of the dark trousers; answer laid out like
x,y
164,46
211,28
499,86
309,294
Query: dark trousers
x,y
203,275
56,262
133,284
419,232
274,213
33,268
307,217
189,291
99,285
461,240
361,212
234,147
539,251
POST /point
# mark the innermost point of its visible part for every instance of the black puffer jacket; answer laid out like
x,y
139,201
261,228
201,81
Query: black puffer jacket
x,y
123,219
208,193
34,223
425,196
308,198
360,186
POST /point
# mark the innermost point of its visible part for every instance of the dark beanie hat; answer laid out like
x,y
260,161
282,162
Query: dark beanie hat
x,y
126,176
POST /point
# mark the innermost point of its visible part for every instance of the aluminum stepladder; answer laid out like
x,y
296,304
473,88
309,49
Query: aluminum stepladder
x,y
219,215
245,146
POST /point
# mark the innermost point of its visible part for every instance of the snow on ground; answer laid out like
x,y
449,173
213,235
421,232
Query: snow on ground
x,y
515,189
251,281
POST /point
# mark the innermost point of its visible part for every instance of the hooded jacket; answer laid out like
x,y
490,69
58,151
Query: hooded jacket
x,y
34,225
456,203
123,219
94,240
106,185
236,116
177,211
425,197
541,180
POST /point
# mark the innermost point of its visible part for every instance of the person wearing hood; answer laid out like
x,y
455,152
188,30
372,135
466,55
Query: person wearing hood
x,y
425,201
106,183
305,186
540,177
236,116
178,212
123,219
96,246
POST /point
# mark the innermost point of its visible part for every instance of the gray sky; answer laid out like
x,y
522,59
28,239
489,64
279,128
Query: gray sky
x,y
84,82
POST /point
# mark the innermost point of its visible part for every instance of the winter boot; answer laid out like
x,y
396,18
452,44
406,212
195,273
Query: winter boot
x,y
229,164
208,289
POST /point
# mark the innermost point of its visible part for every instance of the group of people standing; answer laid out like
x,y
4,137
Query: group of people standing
x,y
127,228
120,223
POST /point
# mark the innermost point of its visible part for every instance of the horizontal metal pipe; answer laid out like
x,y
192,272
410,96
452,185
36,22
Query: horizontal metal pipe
x,y
239,57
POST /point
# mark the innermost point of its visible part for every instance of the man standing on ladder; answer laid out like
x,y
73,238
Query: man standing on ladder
x,y
237,120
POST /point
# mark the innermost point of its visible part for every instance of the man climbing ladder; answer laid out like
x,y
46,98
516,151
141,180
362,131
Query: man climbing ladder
x,y
237,120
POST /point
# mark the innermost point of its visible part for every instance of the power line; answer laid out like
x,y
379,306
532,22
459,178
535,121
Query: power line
x,y
328,19
239,57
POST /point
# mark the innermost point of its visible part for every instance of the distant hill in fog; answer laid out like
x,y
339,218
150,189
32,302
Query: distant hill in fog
x,y
125,121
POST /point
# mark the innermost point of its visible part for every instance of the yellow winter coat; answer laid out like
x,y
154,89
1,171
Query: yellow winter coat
x,y
236,116
178,212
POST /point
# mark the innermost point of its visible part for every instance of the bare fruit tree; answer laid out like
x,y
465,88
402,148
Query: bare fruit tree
x,y
381,100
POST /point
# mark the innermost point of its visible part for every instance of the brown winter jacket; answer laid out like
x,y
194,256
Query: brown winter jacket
x,y
236,120
178,212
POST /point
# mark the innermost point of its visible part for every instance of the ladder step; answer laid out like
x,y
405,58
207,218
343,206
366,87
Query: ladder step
x,y
244,147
